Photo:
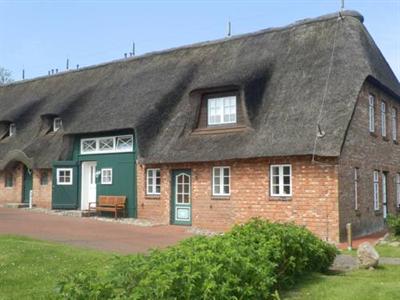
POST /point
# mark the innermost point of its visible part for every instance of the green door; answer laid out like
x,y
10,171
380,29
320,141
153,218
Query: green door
x,y
65,185
181,200
27,185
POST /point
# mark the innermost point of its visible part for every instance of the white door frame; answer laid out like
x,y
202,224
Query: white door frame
x,y
88,184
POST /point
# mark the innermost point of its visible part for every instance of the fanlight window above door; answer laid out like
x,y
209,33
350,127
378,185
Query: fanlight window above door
x,y
113,144
106,144
88,146
125,143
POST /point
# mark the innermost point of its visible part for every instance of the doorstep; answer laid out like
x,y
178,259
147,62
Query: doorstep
x,y
16,205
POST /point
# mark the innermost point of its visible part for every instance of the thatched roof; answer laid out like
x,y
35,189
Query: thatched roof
x,y
283,72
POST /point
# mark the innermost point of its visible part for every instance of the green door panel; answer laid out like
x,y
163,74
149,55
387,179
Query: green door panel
x,y
27,185
181,197
65,196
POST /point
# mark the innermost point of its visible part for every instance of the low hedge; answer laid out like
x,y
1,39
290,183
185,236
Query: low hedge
x,y
251,261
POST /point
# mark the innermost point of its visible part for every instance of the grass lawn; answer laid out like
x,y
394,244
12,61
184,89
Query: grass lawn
x,y
388,251
30,268
383,250
382,283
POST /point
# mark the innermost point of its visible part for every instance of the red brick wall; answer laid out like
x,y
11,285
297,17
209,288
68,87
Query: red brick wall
x,y
42,193
314,202
368,152
12,194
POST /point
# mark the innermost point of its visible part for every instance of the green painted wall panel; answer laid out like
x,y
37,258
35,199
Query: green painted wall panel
x,y
124,171
65,196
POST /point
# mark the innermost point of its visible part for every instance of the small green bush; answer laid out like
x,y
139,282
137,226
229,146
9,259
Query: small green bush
x,y
394,224
251,261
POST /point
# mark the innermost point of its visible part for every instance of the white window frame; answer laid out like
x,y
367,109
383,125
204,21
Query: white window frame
x,y
376,189
12,130
222,110
104,176
394,124
57,124
371,112
356,177
114,148
383,118
151,189
70,182
398,190
281,181
222,176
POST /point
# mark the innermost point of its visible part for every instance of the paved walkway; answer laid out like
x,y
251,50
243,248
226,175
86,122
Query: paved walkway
x,y
372,239
87,232
344,262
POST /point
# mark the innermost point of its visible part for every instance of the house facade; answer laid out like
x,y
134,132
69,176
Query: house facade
x,y
298,124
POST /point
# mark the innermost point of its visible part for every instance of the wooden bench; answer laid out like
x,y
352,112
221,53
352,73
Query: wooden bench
x,y
112,204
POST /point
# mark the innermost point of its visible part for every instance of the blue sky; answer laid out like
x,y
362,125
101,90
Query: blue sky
x,y
41,35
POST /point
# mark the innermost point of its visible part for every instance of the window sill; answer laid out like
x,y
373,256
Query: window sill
x,y
280,198
220,197
219,129
152,197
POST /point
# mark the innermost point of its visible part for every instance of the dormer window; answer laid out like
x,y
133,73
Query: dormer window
x,y
12,130
221,110
57,124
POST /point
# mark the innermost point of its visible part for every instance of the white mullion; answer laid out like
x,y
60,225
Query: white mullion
x,y
281,180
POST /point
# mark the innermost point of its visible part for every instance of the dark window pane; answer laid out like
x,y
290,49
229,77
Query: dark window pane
x,y
286,190
226,172
286,170
286,180
275,171
226,189
276,189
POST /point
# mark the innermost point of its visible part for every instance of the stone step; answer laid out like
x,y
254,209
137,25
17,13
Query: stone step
x,y
16,205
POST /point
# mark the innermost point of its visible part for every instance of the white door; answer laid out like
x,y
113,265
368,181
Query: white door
x,y
88,184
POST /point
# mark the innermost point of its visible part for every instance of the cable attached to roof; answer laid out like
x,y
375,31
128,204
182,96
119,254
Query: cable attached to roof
x,y
320,133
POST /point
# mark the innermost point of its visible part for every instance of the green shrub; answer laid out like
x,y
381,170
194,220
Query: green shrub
x,y
394,224
251,261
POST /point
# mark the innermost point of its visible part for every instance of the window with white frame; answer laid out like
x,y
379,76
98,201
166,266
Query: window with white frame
x,y
57,124
371,113
394,124
106,144
398,189
221,110
221,181
383,118
88,146
281,180
153,182
106,176
376,190
64,176
113,144
124,143
356,188
12,129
